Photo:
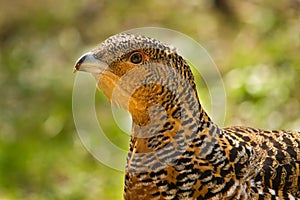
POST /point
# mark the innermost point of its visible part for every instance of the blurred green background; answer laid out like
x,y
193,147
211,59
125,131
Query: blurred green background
x,y
255,44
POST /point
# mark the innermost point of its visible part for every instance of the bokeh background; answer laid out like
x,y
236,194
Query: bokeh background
x,y
255,44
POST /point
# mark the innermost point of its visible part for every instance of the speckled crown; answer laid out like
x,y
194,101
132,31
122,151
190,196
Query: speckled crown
x,y
120,44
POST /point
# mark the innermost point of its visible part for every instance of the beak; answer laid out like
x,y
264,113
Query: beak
x,y
88,63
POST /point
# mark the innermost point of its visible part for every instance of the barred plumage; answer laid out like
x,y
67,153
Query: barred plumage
x,y
176,151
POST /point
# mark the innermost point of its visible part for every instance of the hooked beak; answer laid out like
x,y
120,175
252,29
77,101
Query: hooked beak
x,y
88,63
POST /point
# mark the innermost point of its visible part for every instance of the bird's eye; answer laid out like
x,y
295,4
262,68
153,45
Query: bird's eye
x,y
136,58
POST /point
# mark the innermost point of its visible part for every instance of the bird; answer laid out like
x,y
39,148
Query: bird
x,y
176,151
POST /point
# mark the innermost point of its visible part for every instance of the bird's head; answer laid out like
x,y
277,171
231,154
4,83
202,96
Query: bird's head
x,y
135,72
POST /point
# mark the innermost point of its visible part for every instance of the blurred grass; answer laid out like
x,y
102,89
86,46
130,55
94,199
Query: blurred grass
x,y
255,44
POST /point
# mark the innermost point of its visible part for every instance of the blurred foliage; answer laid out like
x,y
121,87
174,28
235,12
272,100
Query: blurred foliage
x,y
255,44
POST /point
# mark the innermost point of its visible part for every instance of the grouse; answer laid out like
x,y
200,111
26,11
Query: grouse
x,y
176,151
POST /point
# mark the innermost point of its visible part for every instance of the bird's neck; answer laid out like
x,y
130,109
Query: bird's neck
x,y
171,133
174,140
168,117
